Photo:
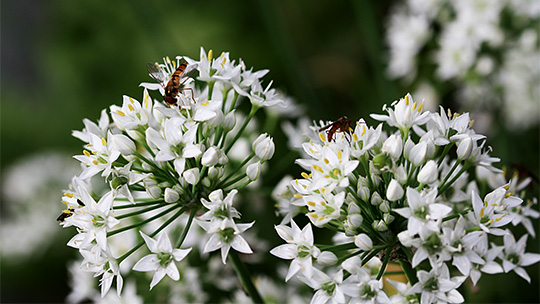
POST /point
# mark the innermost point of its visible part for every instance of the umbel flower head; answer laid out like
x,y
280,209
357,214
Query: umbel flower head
x,y
158,166
412,191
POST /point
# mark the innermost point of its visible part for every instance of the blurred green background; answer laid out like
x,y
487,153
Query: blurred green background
x,y
63,60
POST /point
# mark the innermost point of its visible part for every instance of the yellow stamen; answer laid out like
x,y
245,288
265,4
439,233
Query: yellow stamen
x,y
313,215
355,137
204,103
95,162
506,187
131,108
120,113
363,130
339,154
64,202
312,204
414,106
66,211
145,99
482,212
103,141
304,175
321,136
420,107
318,168
471,123
297,195
86,153
326,176
508,195
407,99
323,204
70,195
131,100
210,55
326,161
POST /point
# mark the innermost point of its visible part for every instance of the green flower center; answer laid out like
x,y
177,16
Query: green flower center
x,y
222,212
303,251
335,173
514,258
431,284
421,212
164,258
366,292
178,149
329,287
98,221
432,244
119,181
227,235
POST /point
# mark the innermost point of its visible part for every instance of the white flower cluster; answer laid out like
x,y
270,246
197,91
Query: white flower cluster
x,y
416,194
164,167
481,46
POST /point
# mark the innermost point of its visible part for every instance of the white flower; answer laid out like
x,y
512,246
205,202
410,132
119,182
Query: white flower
x,y
160,261
514,256
324,208
299,249
437,285
93,219
422,211
192,176
133,115
328,289
224,235
363,241
253,171
175,143
405,114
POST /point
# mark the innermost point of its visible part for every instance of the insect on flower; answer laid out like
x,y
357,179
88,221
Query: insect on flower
x,y
171,85
68,212
343,124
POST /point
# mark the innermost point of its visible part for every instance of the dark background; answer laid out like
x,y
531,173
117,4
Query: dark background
x,y
63,60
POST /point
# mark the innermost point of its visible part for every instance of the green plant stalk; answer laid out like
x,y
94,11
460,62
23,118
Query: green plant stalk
x,y
144,222
186,229
248,119
245,277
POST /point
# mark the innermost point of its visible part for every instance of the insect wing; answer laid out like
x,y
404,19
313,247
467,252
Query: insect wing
x,y
328,126
190,69
156,72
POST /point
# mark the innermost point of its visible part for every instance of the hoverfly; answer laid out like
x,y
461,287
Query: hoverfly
x,y
171,85
341,125
68,212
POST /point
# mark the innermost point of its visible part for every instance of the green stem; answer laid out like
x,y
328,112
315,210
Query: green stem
x,y
442,188
250,116
141,211
409,271
111,233
385,262
337,247
449,173
186,229
245,277
238,167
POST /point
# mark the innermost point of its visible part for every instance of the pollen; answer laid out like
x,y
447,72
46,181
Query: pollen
x,y
482,212
339,154
363,130
407,99
210,55
312,204
95,162
355,137
326,161
471,123
420,107
204,103
414,106
507,195
145,99
304,175
318,168
120,113
506,187
70,195
321,136
131,100
103,141
297,195
66,211
86,153
64,202
313,215
131,108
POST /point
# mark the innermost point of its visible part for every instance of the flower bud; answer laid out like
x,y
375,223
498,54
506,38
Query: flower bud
x,y
229,122
263,147
206,182
216,195
354,220
418,153
363,189
171,195
210,157
394,191
388,218
376,199
253,171
151,188
393,146
465,147
352,208
406,238
385,206
123,144
380,226
429,173
327,258
363,241
381,160
400,174
192,176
